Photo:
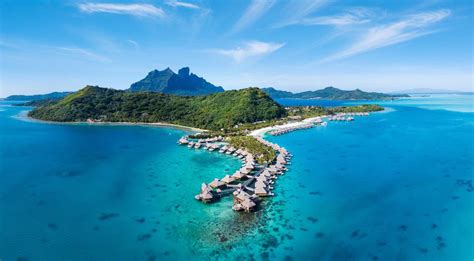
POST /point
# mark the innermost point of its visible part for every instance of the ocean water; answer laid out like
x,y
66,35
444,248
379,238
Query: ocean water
x,y
450,102
391,186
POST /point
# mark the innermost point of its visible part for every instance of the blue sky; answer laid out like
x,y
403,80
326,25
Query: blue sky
x,y
292,45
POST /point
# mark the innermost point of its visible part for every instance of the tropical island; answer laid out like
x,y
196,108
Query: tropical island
x,y
232,122
228,112
38,97
331,93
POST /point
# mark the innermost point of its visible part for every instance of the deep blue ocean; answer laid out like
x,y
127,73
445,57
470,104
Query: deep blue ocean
x,y
396,185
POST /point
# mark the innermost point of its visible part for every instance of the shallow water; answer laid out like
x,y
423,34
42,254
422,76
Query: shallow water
x,y
392,186
450,102
386,187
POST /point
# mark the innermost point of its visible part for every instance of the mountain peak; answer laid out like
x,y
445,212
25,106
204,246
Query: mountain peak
x,y
183,72
183,83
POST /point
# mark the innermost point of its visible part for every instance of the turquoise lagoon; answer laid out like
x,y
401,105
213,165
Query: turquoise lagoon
x,y
393,186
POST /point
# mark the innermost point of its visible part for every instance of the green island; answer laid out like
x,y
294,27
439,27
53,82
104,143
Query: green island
x,y
331,93
314,111
213,112
229,113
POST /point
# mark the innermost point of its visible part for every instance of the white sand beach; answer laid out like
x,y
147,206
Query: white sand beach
x,y
293,124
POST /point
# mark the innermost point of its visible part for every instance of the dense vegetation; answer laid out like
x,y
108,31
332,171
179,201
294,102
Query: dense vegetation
x,y
330,93
314,111
37,97
182,83
261,152
214,112
38,103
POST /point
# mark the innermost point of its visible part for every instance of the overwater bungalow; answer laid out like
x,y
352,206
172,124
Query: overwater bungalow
x,y
216,183
266,174
191,144
183,141
260,183
262,192
280,167
228,179
244,171
243,201
198,145
264,179
238,175
206,194
249,165
214,147
281,159
249,157
223,149
273,169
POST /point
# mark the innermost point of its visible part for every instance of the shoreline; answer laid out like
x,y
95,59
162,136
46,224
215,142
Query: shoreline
x,y
106,123
261,132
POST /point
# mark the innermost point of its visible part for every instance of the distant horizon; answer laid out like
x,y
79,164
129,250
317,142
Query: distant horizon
x,y
401,91
293,45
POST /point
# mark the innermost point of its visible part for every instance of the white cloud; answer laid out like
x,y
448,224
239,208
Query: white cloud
x,y
384,35
253,12
351,17
130,9
133,43
296,10
175,3
83,53
250,49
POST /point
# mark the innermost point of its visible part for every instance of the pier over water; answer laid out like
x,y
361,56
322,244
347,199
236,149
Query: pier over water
x,y
253,180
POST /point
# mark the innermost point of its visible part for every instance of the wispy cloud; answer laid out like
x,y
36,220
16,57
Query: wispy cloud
x,y
175,3
250,49
129,9
404,30
254,11
84,53
351,17
133,43
296,10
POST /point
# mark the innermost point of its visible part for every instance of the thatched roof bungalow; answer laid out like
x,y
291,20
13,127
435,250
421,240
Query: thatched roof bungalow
x,y
216,183
228,179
